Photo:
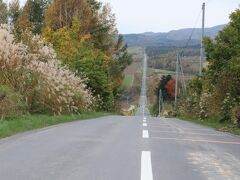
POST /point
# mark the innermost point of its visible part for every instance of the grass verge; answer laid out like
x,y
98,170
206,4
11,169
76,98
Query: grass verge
x,y
213,122
16,125
128,80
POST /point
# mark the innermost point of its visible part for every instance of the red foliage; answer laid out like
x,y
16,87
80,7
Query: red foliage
x,y
170,86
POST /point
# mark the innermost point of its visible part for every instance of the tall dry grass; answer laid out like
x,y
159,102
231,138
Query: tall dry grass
x,y
33,70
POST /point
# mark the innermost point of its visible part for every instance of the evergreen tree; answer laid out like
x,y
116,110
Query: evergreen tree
x,y
32,16
3,12
14,11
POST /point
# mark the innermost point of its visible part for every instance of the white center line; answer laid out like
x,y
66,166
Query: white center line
x,y
145,134
144,124
146,166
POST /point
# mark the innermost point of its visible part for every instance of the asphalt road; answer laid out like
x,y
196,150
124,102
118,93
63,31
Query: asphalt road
x,y
118,148
122,148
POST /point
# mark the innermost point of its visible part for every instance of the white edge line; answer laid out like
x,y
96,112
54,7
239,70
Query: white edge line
x,y
146,166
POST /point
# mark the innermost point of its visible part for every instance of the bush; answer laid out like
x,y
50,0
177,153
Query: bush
x,y
235,116
227,106
35,73
11,103
204,105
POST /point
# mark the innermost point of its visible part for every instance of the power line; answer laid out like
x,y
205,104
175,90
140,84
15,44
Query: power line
x,y
179,59
192,32
208,1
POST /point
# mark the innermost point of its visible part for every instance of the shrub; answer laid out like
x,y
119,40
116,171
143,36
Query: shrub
x,y
235,116
11,103
227,106
204,105
43,81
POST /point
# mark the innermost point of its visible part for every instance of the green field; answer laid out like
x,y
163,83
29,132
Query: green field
x,y
164,71
128,80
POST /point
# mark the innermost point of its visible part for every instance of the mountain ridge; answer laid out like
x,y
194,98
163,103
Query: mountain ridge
x,y
171,38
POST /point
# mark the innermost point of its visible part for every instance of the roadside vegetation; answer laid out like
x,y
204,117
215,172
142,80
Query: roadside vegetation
x,y
217,92
18,124
59,57
213,122
128,81
212,99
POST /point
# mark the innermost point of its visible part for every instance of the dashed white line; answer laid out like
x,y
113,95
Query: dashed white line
x,y
145,134
146,166
144,124
144,119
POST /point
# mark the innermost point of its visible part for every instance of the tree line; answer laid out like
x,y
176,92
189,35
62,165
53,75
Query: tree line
x,y
81,35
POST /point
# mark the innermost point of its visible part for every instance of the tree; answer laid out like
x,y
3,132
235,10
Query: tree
x,y
14,11
224,48
223,56
162,86
167,87
3,12
170,86
121,59
82,57
92,64
32,16
61,14
217,92
89,31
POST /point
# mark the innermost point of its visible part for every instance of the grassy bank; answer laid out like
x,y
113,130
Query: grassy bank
x,y
214,122
128,81
16,125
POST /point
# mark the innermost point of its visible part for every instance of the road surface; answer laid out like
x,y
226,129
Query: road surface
x,y
122,148
118,148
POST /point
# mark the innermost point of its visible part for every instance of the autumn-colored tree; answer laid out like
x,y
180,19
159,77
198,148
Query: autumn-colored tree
x,y
61,14
162,86
88,29
31,18
81,56
170,86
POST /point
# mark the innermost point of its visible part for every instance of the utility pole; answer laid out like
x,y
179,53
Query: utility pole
x,y
162,107
160,100
182,73
203,32
176,83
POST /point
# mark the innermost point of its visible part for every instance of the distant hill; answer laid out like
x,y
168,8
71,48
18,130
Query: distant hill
x,y
175,38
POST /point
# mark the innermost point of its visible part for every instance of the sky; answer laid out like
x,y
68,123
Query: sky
x,y
137,16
